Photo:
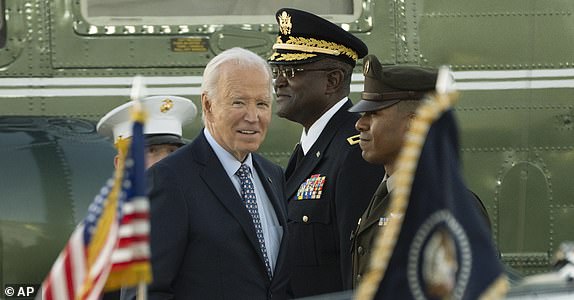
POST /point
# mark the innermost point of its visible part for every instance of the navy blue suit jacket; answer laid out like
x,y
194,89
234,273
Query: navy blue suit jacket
x,y
203,242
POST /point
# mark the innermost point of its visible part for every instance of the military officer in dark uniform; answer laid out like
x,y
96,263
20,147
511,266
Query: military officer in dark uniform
x,y
389,102
328,183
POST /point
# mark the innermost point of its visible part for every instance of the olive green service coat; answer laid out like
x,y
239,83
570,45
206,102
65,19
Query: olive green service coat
x,y
363,238
374,218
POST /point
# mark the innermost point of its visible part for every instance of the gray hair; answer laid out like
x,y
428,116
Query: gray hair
x,y
237,56
329,63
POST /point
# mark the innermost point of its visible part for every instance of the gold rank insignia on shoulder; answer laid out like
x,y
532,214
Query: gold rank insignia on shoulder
x,y
353,140
312,188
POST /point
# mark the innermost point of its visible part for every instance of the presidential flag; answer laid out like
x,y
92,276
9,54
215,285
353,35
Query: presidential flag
x,y
113,239
439,246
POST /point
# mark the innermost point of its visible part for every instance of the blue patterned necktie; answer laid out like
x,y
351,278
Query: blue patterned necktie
x,y
248,197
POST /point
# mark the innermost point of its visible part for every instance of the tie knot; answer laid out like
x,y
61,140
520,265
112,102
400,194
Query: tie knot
x,y
243,171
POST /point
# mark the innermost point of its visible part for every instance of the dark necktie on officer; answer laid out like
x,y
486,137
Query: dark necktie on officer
x,y
382,190
378,196
299,153
294,161
248,197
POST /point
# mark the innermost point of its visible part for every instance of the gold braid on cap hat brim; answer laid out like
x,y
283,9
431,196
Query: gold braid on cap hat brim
x,y
311,45
290,56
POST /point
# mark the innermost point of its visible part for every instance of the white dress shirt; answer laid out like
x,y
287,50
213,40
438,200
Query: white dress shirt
x,y
272,231
309,138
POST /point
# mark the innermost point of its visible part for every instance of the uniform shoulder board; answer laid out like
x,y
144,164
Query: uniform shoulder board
x,y
353,140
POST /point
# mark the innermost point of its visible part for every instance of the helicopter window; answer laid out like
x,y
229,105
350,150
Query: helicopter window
x,y
196,12
44,174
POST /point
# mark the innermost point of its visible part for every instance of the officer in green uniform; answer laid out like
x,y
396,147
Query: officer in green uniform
x,y
389,101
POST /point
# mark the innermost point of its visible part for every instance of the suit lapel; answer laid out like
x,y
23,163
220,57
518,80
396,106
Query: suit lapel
x,y
272,192
316,153
276,200
216,178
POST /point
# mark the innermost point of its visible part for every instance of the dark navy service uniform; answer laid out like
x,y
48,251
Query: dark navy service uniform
x,y
330,186
327,193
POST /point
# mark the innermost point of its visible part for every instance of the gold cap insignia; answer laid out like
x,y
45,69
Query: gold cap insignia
x,y
166,105
285,23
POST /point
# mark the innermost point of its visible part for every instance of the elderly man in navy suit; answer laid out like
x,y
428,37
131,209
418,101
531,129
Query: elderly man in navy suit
x,y
218,212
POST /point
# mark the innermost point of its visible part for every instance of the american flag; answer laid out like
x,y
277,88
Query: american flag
x,y
112,241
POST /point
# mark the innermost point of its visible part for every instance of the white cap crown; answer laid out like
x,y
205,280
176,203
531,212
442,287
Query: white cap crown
x,y
166,115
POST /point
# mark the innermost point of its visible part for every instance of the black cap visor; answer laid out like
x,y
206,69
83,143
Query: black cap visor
x,y
160,139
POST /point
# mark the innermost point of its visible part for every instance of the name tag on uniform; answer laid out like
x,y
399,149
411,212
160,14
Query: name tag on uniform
x,y
312,188
384,221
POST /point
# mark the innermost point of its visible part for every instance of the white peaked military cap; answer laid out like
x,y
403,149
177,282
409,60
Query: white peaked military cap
x,y
166,116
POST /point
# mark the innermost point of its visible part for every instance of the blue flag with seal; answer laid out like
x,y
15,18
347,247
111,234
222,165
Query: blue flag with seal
x,y
440,246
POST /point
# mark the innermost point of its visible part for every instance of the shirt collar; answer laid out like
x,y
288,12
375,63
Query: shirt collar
x,y
390,180
309,138
229,162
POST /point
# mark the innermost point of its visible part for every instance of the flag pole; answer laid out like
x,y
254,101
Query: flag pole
x,y
136,94
142,291
445,86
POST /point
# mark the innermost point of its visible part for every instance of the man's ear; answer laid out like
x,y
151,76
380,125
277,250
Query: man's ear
x,y
334,80
116,160
205,104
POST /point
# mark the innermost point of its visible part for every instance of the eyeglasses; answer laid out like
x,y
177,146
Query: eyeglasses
x,y
289,72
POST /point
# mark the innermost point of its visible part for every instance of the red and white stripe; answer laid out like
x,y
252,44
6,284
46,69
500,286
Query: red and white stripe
x,y
133,234
70,275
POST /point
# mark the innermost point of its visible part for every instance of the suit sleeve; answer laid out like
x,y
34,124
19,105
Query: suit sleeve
x,y
357,180
169,230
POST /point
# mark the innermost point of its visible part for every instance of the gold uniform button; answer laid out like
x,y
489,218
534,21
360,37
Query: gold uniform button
x,y
305,219
360,250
